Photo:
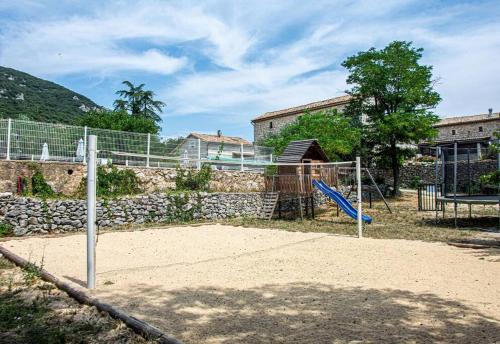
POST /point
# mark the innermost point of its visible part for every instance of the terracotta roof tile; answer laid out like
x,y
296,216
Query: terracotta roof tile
x,y
219,139
467,119
323,104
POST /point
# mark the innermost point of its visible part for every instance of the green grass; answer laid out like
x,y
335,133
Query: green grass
x,y
404,223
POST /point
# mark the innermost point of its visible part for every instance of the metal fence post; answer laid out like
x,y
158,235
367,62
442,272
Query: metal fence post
x,y
9,129
198,164
149,145
360,192
241,156
91,210
85,145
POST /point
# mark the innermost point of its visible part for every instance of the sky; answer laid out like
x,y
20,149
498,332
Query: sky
x,y
218,64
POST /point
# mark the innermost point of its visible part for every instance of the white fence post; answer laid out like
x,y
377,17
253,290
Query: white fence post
x,y
271,157
91,210
241,157
85,145
9,129
198,164
149,145
360,192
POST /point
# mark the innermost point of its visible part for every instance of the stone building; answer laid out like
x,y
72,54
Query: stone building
x,y
272,122
473,132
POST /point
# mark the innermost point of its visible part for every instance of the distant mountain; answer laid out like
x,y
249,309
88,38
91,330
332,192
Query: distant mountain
x,y
25,96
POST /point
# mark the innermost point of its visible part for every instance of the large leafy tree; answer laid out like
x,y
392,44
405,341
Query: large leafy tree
x,y
118,120
396,94
334,132
139,102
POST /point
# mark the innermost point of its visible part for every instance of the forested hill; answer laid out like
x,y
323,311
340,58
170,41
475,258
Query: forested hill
x,y
25,96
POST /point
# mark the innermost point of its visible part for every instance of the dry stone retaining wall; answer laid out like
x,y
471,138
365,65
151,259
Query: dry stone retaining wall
x,y
29,215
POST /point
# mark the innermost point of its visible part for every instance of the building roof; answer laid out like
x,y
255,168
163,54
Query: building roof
x,y
468,119
220,139
323,104
298,150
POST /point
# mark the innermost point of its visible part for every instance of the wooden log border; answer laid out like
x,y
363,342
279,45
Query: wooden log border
x,y
141,327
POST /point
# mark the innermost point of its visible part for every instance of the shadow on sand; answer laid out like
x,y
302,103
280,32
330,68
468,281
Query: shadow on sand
x,y
305,313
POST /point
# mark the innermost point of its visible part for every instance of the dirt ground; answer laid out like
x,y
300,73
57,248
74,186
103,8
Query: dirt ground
x,y
225,284
34,311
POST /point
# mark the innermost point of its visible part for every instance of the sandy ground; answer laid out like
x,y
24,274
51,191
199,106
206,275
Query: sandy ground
x,y
222,284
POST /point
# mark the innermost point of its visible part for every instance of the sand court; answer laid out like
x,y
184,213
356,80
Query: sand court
x,y
224,284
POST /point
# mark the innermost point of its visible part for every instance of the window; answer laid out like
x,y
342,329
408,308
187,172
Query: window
x,y
270,125
453,132
480,129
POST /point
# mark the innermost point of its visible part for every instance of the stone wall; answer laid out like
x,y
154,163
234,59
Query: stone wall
x,y
66,177
427,172
30,216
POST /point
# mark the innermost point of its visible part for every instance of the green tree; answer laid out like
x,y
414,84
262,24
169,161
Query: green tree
x,y
396,93
334,132
139,102
118,120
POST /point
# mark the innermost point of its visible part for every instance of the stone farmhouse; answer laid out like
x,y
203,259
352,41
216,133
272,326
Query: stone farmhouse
x,y
272,122
473,132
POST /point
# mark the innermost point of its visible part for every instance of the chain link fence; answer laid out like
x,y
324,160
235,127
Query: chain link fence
x,y
37,141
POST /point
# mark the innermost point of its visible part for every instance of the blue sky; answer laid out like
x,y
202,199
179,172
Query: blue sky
x,y
218,64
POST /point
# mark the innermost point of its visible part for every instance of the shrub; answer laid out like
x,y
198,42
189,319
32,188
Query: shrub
x,y
39,186
5,229
112,182
492,178
189,179
36,185
415,182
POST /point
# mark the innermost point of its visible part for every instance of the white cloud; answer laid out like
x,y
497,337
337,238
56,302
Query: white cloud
x,y
272,54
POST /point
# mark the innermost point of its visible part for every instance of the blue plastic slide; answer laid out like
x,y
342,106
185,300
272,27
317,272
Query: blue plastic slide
x,y
337,197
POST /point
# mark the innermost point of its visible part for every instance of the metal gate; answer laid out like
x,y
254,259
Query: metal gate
x,y
428,197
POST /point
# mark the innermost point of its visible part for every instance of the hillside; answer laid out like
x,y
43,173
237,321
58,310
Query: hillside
x,y
25,96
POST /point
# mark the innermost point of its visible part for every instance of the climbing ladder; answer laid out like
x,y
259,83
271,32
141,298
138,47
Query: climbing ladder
x,y
270,201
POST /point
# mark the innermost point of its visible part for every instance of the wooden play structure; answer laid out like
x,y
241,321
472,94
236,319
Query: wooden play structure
x,y
290,189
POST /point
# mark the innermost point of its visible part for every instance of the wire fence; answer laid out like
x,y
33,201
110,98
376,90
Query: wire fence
x,y
37,141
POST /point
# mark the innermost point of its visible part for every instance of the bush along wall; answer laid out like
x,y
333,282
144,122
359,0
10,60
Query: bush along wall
x,y
29,216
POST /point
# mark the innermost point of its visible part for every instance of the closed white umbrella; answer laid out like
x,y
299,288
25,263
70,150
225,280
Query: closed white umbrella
x,y
185,158
45,152
80,151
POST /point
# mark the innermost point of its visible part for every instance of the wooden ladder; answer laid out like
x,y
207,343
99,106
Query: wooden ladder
x,y
270,201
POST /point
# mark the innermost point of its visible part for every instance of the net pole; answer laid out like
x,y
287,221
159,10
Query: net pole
x,y
91,210
455,163
360,210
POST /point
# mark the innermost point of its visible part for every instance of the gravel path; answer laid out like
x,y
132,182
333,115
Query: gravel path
x,y
223,284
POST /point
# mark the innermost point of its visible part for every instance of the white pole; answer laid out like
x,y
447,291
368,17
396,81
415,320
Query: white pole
x,y
91,210
455,161
198,164
85,145
360,210
271,157
9,129
149,144
241,156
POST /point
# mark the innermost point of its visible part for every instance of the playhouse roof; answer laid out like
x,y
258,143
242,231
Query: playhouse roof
x,y
296,151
